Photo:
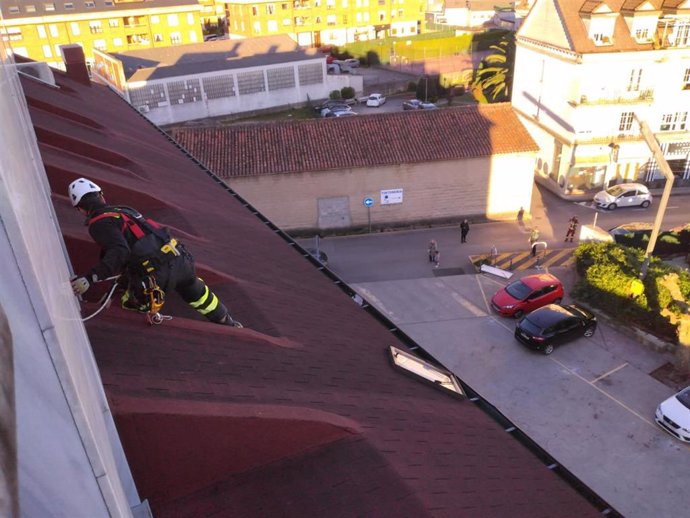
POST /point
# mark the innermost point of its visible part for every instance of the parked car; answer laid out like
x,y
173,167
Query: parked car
x,y
337,113
527,294
332,103
673,415
416,104
376,100
623,195
553,325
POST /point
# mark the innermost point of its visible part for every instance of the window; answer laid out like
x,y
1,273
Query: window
x,y
175,38
642,34
344,4
251,82
173,20
53,30
280,78
358,17
41,29
155,19
270,8
90,5
76,31
284,6
14,9
382,16
686,79
674,121
330,19
634,81
95,27
318,19
99,44
49,8
158,38
286,22
257,27
11,34
117,42
113,23
218,87
69,6
310,74
47,51
626,121
30,8
272,26
190,19
255,10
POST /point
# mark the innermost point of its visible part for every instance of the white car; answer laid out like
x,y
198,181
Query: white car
x,y
376,100
673,415
623,195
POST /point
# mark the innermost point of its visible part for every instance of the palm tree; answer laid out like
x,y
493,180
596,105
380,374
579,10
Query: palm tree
x,y
495,73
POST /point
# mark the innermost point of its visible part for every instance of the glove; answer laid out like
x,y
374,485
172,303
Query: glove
x,y
80,285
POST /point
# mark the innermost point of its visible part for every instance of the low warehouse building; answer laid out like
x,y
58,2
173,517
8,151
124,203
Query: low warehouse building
x,y
377,170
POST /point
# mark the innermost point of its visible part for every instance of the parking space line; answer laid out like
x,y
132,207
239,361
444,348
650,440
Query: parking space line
x,y
609,373
481,289
595,387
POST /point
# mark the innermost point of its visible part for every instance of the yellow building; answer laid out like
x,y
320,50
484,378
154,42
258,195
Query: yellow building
x,y
36,29
326,22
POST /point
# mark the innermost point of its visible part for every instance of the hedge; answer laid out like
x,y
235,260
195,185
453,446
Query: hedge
x,y
606,274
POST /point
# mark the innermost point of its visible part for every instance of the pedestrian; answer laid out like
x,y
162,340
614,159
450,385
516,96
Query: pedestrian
x,y
520,215
149,261
433,248
437,257
533,238
464,230
572,227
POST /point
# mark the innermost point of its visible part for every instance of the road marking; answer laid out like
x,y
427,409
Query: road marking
x,y
469,306
609,372
595,387
555,257
513,259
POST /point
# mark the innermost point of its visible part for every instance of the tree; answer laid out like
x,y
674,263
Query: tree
x,y
495,74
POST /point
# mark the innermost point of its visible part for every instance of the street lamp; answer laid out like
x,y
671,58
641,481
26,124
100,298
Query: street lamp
x,y
668,174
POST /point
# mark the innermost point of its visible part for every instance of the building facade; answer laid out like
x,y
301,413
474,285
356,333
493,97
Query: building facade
x,y
586,73
220,78
321,22
37,29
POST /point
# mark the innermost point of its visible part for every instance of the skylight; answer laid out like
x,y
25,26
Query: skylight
x,y
420,368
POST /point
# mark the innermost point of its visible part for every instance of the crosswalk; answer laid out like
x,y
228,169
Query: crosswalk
x,y
517,261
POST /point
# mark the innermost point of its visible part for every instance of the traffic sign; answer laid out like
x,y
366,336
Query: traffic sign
x,y
368,202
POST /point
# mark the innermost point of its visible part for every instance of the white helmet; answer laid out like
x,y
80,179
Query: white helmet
x,y
79,188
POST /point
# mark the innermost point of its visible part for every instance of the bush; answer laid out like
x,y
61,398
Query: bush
x,y
411,86
347,92
335,94
607,271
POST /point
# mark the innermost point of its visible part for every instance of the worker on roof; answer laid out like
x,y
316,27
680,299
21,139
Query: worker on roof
x,y
152,261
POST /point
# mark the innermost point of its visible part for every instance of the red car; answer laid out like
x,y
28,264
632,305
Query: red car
x,y
527,294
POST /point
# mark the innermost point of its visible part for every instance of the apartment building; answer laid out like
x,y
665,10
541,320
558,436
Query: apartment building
x,y
321,22
36,29
586,72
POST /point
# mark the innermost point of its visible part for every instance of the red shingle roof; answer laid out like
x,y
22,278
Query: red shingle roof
x,y
300,414
362,141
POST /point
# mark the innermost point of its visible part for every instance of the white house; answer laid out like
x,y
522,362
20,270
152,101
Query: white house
x,y
585,72
217,78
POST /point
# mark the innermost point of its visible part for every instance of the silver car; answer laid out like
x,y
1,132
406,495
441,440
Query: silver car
x,y
624,195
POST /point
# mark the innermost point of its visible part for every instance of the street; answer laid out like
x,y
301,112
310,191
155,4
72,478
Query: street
x,y
590,404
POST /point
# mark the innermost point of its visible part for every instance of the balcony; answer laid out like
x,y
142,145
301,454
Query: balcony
x,y
614,97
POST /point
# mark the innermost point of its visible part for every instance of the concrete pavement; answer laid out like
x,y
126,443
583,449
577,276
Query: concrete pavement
x,y
590,404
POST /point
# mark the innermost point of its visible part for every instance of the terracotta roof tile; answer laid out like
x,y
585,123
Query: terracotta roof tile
x,y
362,141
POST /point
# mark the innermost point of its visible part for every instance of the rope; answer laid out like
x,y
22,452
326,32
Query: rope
x,y
105,302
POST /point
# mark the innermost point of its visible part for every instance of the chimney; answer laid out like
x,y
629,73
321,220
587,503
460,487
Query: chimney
x,y
75,63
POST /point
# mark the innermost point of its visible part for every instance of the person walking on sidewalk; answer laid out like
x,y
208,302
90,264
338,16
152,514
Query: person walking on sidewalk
x,y
533,238
433,248
572,227
464,230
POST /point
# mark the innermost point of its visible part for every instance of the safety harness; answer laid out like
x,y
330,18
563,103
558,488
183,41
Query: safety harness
x,y
150,246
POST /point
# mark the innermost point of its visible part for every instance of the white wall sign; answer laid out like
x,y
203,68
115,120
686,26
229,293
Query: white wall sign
x,y
391,196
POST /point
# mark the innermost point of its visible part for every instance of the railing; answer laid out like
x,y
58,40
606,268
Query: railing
x,y
640,96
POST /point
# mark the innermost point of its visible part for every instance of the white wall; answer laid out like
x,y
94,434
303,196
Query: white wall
x,y
204,107
70,459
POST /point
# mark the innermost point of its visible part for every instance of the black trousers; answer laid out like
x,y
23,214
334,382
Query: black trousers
x,y
179,274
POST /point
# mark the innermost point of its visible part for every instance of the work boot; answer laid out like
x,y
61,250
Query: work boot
x,y
228,321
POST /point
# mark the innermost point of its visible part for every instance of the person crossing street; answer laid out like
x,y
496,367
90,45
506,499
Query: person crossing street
x,y
150,260
572,227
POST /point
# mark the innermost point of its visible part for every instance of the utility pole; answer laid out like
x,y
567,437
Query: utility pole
x,y
668,174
